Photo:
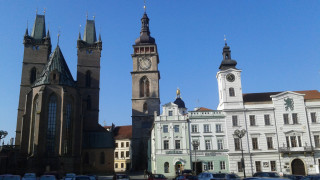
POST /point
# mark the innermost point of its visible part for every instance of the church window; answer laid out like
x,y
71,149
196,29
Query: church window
x,y
51,131
33,75
34,113
68,127
88,78
102,158
231,92
145,108
227,56
144,87
166,167
89,103
86,158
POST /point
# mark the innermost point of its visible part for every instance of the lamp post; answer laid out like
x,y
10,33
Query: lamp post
x,y
195,145
240,134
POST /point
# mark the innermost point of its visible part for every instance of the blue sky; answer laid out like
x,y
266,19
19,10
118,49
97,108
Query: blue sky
x,y
276,44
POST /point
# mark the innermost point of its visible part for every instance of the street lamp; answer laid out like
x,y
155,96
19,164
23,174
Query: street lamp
x,y
240,134
195,145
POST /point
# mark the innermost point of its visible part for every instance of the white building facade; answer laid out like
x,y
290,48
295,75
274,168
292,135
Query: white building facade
x,y
282,128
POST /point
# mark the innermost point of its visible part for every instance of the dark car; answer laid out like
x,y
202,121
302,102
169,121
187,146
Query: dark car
x,y
121,177
191,177
82,177
293,177
233,176
312,177
157,177
266,174
219,176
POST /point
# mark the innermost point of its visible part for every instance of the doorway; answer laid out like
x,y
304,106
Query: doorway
x,y
297,167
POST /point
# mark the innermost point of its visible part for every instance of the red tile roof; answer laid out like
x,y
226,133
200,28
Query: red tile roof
x,y
204,109
258,97
123,132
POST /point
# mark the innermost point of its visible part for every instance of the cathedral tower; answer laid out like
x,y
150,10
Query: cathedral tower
x,y
37,48
229,82
88,74
145,93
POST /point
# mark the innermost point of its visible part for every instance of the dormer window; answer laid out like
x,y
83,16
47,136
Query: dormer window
x,y
170,113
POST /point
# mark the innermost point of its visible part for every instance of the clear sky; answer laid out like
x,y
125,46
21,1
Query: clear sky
x,y
276,44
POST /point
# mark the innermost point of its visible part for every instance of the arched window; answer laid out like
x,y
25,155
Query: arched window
x,y
88,78
68,128
34,113
89,103
86,158
144,87
51,131
231,92
145,108
166,167
102,158
33,75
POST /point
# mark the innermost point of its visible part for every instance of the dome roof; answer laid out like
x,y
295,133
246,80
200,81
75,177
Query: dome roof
x,y
180,103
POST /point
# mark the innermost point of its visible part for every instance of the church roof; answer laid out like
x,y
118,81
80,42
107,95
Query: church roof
x,y
123,132
259,97
180,103
90,32
39,27
145,37
56,63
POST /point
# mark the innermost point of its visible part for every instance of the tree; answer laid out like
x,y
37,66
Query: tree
x,y
3,134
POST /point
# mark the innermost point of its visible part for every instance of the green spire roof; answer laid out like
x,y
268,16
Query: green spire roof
x,y
90,32
58,64
39,27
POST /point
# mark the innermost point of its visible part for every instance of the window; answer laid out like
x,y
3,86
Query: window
x,y
88,79
33,75
166,167
116,155
258,166
316,141
236,143
218,128
122,144
122,165
299,141
286,118
222,165
210,165
293,141
51,131
144,87
176,128
127,154
269,143
170,113
166,144
273,166
208,144
116,145
240,169
102,158
313,117
122,154
116,165
255,143
165,128
231,92
252,120
198,144
194,128
88,102
206,128
68,129
234,120
177,142
295,118
287,140
220,144
267,119
127,144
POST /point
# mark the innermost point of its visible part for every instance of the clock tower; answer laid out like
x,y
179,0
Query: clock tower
x,y
229,82
145,93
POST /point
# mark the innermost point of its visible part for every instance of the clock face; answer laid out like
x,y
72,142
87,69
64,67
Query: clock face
x,y
144,63
230,77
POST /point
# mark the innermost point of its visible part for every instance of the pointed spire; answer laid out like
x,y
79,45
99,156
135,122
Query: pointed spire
x,y
99,37
27,32
58,38
48,34
90,32
227,62
39,27
145,37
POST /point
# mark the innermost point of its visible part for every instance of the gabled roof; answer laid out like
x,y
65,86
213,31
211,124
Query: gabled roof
x,y
123,132
56,63
259,97
204,109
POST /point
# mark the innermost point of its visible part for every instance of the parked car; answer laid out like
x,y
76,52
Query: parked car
x,y
81,177
312,177
48,177
205,176
264,178
266,174
293,177
29,176
191,177
92,176
69,176
180,177
157,177
219,176
121,177
10,177
187,171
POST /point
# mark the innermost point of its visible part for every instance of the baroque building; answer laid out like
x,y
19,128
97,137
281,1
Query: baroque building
x,y
145,93
57,123
282,128
122,152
